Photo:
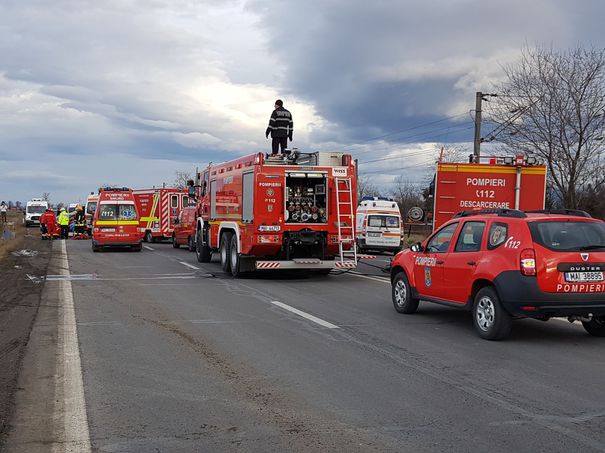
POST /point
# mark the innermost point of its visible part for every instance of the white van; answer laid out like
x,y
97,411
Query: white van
x,y
378,225
34,208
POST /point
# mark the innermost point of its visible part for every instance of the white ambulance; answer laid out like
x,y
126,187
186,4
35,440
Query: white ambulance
x,y
378,225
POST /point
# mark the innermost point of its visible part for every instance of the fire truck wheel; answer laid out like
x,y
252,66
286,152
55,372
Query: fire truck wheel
x,y
402,295
492,321
225,251
234,257
175,244
202,252
149,237
190,244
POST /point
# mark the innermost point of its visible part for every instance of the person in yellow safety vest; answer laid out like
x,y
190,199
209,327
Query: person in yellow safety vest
x,y
63,220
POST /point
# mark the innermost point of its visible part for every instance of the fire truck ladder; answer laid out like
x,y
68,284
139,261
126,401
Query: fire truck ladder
x,y
345,220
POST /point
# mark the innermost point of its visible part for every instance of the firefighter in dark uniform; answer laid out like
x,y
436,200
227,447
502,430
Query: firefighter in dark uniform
x,y
280,127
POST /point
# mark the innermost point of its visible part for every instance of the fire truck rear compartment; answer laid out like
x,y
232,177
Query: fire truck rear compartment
x,y
306,198
305,244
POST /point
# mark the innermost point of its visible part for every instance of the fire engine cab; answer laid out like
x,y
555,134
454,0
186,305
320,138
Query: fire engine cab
x,y
159,208
116,220
291,211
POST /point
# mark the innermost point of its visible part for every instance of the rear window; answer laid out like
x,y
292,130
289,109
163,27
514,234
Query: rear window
x,y
381,221
569,236
117,212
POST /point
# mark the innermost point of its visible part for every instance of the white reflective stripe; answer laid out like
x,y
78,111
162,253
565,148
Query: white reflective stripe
x,y
117,202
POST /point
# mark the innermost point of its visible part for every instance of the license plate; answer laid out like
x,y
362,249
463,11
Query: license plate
x,y
583,277
374,235
108,230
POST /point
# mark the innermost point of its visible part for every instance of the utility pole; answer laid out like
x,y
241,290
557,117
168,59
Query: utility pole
x,y
477,145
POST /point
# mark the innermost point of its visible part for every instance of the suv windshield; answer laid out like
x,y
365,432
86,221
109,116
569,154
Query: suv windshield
x,y
117,212
569,236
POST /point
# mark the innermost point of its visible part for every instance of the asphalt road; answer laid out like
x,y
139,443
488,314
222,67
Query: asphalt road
x,y
177,356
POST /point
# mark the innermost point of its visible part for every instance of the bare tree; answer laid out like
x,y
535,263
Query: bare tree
x,y
366,189
407,195
46,196
181,178
552,107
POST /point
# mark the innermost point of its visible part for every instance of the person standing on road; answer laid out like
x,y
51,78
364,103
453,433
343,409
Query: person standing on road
x,y
280,127
63,220
3,209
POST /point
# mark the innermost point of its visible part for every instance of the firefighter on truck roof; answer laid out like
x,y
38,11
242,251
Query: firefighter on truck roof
x,y
280,127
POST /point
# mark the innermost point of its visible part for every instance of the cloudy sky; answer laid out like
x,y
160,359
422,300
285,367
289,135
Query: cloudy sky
x,y
127,92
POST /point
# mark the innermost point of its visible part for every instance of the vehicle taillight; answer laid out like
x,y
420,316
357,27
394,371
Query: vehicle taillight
x,y
528,262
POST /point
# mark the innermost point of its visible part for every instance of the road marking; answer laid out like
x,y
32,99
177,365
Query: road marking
x,y
376,279
190,266
148,248
75,421
316,320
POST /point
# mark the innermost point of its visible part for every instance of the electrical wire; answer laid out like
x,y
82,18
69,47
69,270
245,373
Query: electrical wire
x,y
396,132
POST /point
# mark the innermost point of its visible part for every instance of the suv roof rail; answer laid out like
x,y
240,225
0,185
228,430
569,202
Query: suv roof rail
x,y
576,212
500,212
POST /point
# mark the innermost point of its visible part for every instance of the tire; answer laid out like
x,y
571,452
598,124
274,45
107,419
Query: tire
x,y
148,237
95,248
190,244
491,320
137,248
202,252
225,251
401,293
234,257
596,326
175,244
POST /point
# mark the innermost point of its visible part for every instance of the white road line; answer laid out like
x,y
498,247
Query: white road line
x,y
75,421
148,248
190,266
376,279
316,320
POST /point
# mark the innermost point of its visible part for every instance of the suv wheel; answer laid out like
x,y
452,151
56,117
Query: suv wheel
x,y
225,251
190,244
596,326
492,322
175,244
402,295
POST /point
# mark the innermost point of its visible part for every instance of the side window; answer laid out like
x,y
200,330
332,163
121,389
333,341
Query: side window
x,y
498,232
469,239
185,201
440,242
174,201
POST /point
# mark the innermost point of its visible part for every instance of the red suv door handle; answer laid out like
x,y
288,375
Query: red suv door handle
x,y
440,262
471,263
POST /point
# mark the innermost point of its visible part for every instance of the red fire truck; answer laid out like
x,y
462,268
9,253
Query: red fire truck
x,y
291,211
158,209
499,183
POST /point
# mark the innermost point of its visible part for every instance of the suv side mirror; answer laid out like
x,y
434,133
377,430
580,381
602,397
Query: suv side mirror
x,y
176,221
417,247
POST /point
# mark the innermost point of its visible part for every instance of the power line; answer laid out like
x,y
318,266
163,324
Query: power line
x,y
399,131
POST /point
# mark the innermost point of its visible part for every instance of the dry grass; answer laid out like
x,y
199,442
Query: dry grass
x,y
15,224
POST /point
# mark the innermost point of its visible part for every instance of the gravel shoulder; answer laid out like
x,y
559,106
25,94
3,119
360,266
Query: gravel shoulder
x,y
19,301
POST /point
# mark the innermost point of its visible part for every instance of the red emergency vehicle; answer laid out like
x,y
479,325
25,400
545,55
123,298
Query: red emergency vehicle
x,y
116,220
291,211
498,183
184,229
158,209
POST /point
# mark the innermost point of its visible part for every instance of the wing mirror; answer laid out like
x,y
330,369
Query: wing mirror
x,y
176,221
417,247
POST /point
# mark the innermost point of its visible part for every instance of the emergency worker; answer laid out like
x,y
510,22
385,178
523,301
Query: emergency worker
x,y
64,223
79,219
280,127
48,223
